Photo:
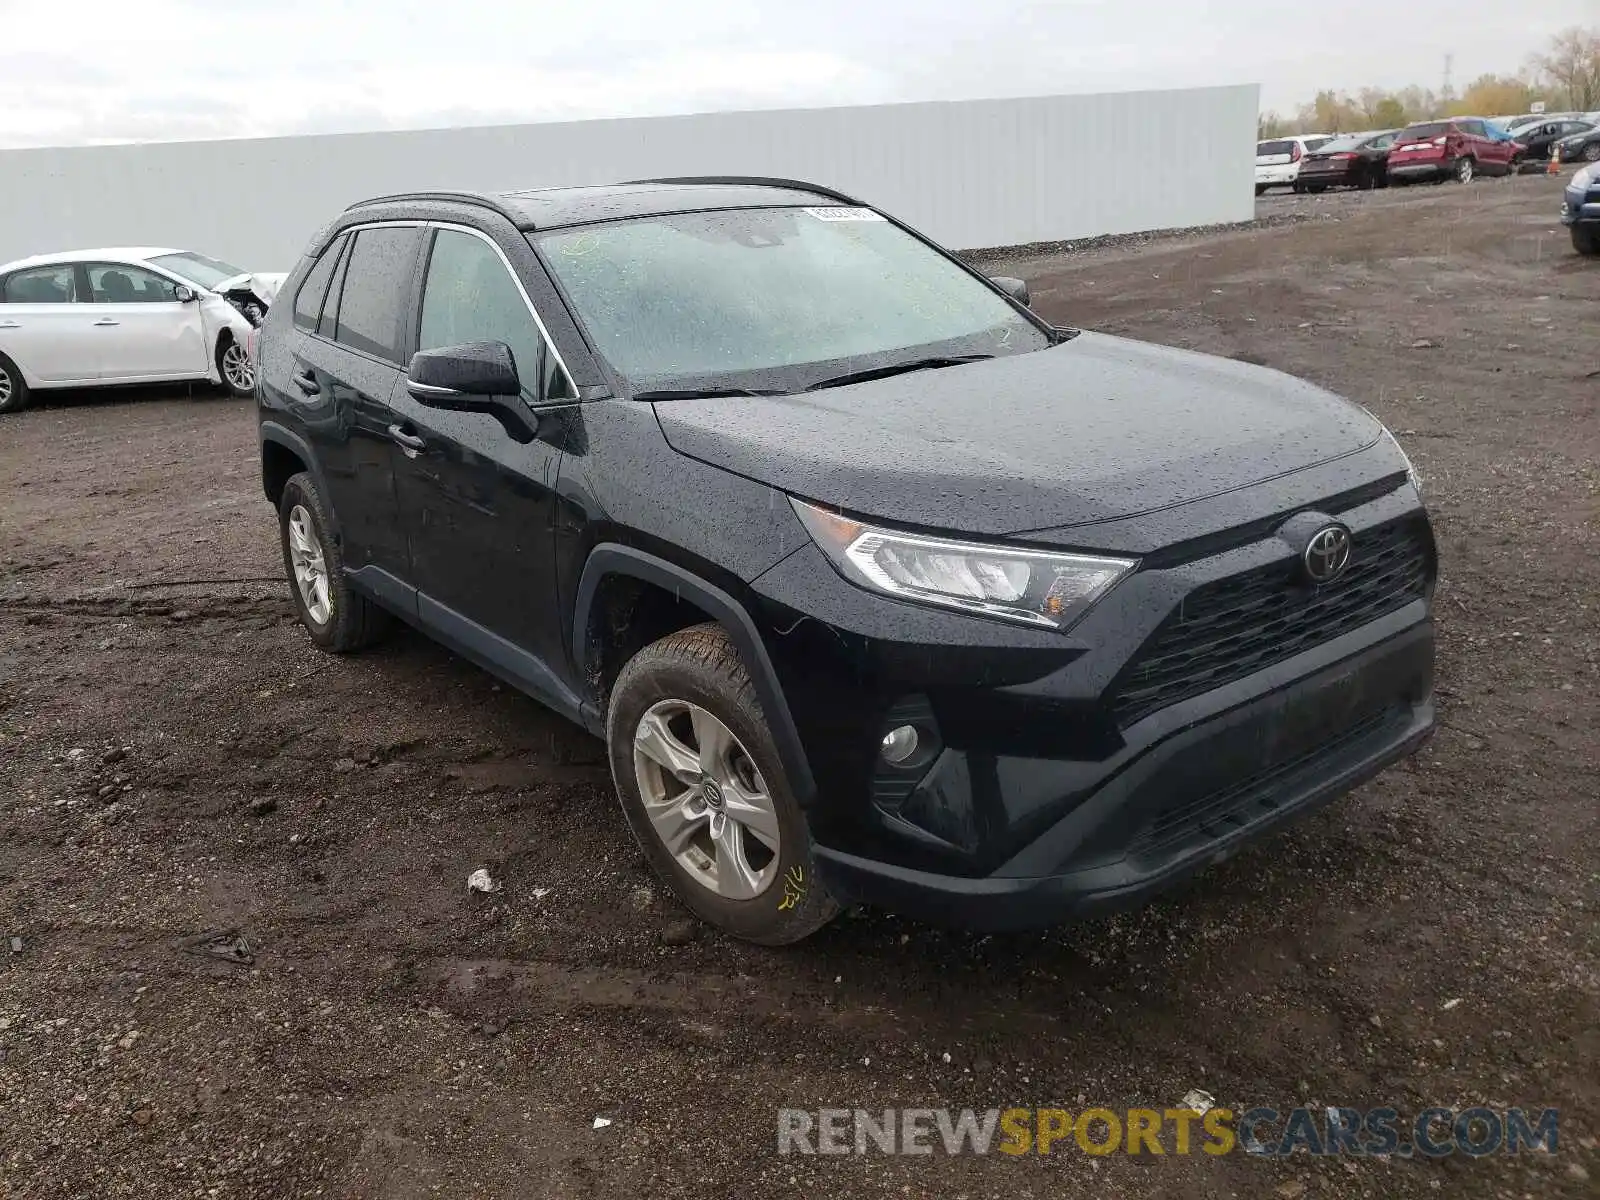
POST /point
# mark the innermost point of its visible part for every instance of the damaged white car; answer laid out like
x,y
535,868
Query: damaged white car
x,y
88,318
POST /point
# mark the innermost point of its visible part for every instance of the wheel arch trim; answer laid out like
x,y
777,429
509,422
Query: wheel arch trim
x,y
614,559
276,434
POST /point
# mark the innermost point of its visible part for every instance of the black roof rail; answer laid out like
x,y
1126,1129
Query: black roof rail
x,y
797,185
476,199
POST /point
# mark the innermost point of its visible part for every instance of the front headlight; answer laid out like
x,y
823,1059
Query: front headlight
x,y
1034,587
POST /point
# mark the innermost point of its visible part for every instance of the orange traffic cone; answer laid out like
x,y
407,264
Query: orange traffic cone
x,y
1553,167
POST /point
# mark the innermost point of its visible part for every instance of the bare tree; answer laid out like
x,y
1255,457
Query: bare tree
x,y
1573,66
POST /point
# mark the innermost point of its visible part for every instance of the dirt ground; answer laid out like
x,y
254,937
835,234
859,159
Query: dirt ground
x,y
249,964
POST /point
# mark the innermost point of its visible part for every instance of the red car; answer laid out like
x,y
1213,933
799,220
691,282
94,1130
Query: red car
x,y
1459,148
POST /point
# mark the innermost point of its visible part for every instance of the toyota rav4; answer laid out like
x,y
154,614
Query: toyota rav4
x,y
878,587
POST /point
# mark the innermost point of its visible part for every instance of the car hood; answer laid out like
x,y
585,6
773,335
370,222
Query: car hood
x,y
264,284
1095,429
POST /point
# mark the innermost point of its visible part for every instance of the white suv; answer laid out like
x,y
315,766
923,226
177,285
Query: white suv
x,y
1278,159
140,315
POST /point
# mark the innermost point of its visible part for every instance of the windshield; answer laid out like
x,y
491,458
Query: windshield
x,y
772,298
197,268
1280,147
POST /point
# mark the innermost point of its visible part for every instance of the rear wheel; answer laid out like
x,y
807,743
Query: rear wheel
x,y
1586,239
337,618
1591,152
13,389
704,790
1465,170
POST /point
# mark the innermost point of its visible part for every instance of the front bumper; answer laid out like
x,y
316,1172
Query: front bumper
x,y
1580,205
1228,771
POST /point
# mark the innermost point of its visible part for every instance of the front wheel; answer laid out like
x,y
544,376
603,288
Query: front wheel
x,y
234,366
1465,170
13,388
1586,240
704,790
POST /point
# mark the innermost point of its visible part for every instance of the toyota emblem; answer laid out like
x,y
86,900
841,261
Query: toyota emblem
x,y
1327,554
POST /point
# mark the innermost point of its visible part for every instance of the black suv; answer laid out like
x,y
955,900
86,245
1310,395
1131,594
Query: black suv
x,y
878,587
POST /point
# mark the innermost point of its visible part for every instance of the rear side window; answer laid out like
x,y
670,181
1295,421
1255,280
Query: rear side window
x,y
308,300
377,283
1473,127
41,285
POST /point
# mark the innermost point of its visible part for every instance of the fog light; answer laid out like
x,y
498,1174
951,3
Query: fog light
x,y
899,744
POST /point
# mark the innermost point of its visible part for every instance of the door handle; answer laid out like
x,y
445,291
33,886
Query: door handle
x,y
307,383
107,321
409,442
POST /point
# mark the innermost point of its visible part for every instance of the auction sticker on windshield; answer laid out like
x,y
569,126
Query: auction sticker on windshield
x,y
844,214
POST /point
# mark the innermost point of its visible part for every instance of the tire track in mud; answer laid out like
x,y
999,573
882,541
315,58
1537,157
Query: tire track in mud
x,y
200,606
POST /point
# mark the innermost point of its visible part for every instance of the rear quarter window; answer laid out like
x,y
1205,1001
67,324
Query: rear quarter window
x,y
308,300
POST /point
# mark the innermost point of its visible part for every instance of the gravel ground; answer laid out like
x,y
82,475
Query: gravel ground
x,y
249,964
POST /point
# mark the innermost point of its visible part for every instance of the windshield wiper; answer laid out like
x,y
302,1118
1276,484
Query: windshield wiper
x,y
706,393
899,368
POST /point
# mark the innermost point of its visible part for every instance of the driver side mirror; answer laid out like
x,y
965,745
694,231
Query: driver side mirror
x,y
184,294
1015,288
476,377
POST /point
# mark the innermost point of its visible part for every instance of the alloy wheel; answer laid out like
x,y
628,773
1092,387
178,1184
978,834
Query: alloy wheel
x,y
6,387
237,368
310,568
1591,152
705,799
1464,171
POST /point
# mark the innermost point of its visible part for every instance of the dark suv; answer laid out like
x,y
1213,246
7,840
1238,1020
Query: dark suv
x,y
878,587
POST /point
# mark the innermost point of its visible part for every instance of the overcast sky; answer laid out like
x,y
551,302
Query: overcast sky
x,y
81,71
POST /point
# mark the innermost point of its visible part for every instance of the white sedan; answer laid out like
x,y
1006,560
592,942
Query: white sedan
x,y
142,315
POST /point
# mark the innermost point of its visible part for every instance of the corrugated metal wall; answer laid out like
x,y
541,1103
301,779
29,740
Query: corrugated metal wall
x,y
969,173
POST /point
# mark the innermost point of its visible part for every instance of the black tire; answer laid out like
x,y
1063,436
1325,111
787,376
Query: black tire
x,y
1316,189
13,388
226,344
1464,169
700,666
1398,181
1261,189
353,621
1586,240
1297,188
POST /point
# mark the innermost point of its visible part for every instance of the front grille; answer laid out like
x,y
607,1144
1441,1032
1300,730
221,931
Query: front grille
x,y
1236,626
